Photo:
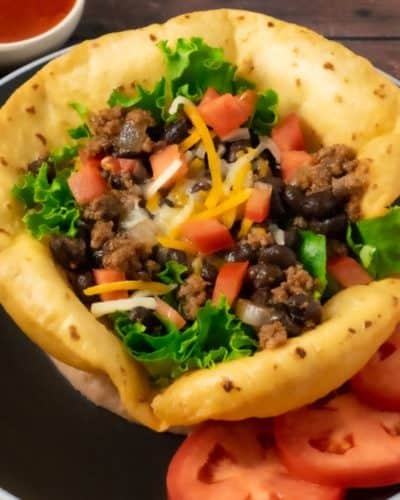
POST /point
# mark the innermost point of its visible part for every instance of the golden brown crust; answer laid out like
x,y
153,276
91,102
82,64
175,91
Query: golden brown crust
x,y
341,99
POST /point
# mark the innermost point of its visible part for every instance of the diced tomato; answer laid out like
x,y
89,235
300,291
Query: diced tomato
x,y
209,96
236,461
87,183
128,165
291,161
347,271
103,276
377,383
227,112
85,158
163,159
229,281
248,101
258,205
288,135
207,236
341,442
171,314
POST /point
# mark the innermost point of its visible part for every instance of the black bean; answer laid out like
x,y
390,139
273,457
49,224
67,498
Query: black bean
x,y
334,227
265,275
70,253
115,181
261,296
304,308
240,253
143,315
279,255
201,185
176,131
291,237
320,205
267,155
79,282
278,313
155,132
97,258
208,271
140,174
163,255
293,198
277,208
233,149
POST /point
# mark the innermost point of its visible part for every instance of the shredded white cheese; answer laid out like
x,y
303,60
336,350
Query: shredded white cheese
x,y
237,135
99,309
158,183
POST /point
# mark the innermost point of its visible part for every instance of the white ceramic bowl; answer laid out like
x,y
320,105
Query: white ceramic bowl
x,y
14,53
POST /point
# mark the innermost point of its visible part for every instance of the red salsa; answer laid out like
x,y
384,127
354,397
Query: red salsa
x,y
21,19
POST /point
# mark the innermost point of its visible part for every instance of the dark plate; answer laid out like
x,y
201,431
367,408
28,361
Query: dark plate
x,y
55,445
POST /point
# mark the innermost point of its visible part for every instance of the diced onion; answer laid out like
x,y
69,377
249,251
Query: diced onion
x,y
268,143
221,149
109,306
250,313
178,101
238,134
278,234
163,178
200,152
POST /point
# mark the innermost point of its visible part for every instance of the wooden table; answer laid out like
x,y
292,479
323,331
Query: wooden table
x,y
369,27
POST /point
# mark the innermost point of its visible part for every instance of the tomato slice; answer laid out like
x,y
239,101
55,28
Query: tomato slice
x,y
258,205
207,236
291,161
168,312
163,159
288,135
236,461
227,112
209,96
341,442
229,281
102,276
377,383
87,183
347,271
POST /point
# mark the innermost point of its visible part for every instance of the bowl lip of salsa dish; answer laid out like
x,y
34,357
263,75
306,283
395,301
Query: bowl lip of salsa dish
x,y
19,51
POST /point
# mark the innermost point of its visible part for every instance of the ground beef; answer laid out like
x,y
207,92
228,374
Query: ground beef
x,y
130,198
334,168
124,254
105,125
105,207
193,294
258,237
336,248
297,281
70,253
133,138
107,122
272,335
102,231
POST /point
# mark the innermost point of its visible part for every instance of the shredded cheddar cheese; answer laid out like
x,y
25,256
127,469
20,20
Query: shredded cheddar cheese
x,y
176,244
152,204
214,161
190,141
232,202
151,286
245,227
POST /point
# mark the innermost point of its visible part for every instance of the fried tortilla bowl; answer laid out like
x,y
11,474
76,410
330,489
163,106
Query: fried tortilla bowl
x,y
340,97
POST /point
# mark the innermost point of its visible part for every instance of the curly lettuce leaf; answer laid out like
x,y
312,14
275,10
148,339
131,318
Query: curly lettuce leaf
x,y
51,208
172,273
63,156
266,113
312,254
216,336
376,243
190,68
80,132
